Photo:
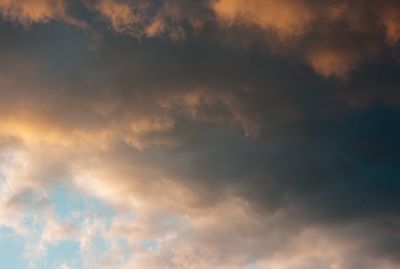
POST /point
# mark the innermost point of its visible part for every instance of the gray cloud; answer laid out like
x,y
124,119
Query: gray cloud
x,y
186,126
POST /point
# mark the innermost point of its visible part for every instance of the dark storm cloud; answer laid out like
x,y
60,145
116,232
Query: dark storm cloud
x,y
333,37
219,120
312,150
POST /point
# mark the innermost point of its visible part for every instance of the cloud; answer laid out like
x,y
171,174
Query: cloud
x,y
144,19
287,18
28,11
63,266
211,157
120,15
37,11
333,37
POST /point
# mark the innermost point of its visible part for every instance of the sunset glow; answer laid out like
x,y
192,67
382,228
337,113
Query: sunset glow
x,y
199,134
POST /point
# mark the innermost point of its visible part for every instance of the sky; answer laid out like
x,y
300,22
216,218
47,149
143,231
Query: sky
x,y
199,134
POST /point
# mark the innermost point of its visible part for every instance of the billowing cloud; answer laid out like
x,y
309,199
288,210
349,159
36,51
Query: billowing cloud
x,y
120,15
31,11
333,37
37,11
287,18
153,153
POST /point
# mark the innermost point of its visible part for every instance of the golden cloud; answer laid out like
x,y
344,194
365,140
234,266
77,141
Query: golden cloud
x,y
120,15
287,18
27,12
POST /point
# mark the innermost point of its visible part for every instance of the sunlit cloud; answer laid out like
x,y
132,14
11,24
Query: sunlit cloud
x,y
199,134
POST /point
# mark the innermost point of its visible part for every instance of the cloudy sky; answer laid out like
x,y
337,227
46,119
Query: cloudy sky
x,y
200,134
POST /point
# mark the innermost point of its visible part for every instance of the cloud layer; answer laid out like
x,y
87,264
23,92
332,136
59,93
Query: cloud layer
x,y
333,37
208,134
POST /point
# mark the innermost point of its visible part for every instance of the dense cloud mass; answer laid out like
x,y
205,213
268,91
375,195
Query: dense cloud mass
x,y
201,134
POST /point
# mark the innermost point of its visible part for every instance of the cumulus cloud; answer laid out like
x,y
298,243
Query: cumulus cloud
x,y
28,11
287,18
336,35
209,156
120,15
333,37
38,11
141,18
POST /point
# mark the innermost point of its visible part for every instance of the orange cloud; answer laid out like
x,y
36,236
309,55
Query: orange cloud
x,y
391,20
37,11
366,28
297,25
286,18
332,63
26,11
347,33
70,135
195,104
137,18
120,15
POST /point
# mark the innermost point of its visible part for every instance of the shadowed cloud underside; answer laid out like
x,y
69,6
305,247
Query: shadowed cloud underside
x,y
183,134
